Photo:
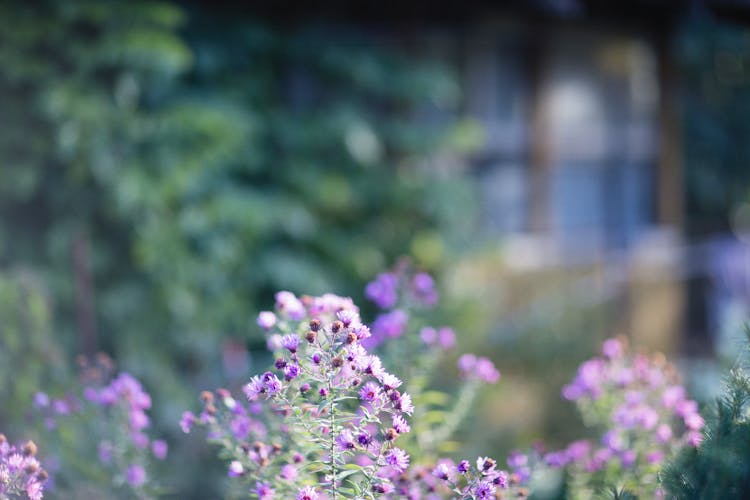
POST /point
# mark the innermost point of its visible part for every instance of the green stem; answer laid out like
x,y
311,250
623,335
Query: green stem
x,y
333,440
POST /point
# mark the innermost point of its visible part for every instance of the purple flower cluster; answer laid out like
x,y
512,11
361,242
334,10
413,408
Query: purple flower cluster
x,y
328,399
21,474
386,326
637,399
446,479
332,356
383,290
127,393
404,286
396,292
121,404
443,337
478,368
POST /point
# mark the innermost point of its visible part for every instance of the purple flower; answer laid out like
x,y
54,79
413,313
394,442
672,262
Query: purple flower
x,y
135,475
501,479
288,472
364,438
291,371
647,417
41,400
187,421
686,407
484,490
138,420
345,440
400,424
266,320
290,342
578,450
389,381
264,491
446,338
612,348
370,392
556,459
61,407
34,490
397,459
357,355
423,289
655,457
405,404
375,367
463,466
273,342
287,303
441,471
694,422
613,440
307,493
672,396
159,449
466,363
361,331
628,458
517,459
428,335
382,290
271,383
253,388
486,371
235,469
694,438
347,317
486,465
389,325
663,433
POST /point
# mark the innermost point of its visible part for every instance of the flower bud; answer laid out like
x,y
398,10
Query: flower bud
x,y
29,449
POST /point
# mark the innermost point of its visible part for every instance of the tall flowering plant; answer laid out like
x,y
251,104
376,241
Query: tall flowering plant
x,y
328,420
104,416
643,414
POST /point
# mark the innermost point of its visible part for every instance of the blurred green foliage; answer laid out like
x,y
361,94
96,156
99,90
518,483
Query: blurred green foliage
x,y
167,168
25,334
715,102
